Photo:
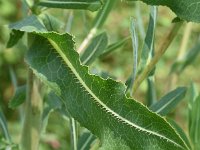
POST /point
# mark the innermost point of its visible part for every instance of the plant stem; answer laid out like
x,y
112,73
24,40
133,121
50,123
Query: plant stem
x,y
87,40
73,127
181,53
185,40
32,120
162,49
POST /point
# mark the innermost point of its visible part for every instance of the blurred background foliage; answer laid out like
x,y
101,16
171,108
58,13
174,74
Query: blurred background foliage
x,y
117,63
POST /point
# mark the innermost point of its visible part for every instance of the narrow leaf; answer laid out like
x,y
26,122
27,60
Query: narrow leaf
x,y
110,48
92,5
194,119
168,102
18,98
134,37
148,46
103,13
95,49
97,104
192,96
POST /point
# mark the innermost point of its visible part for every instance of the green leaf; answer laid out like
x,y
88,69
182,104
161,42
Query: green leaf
x,y
110,48
151,91
188,10
85,141
148,46
194,118
92,5
135,45
95,49
15,36
97,104
103,13
192,96
168,102
18,98
51,23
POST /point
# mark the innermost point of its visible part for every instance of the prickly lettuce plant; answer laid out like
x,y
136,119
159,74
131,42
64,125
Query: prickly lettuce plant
x,y
102,105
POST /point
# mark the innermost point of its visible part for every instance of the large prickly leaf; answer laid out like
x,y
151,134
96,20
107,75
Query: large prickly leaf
x,y
99,105
185,9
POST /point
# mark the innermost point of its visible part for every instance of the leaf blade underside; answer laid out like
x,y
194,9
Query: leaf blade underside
x,y
99,105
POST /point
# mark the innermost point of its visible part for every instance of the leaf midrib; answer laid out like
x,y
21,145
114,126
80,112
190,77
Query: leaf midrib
x,y
116,116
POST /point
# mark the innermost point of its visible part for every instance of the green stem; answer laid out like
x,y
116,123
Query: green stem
x,y
33,116
162,49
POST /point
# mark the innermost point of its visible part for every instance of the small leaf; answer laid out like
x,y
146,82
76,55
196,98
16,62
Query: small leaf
x,y
95,49
85,141
92,5
167,103
15,36
18,98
